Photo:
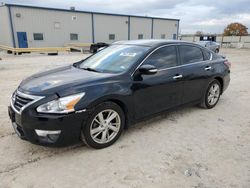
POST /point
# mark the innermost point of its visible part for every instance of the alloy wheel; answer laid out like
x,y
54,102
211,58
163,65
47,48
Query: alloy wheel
x,y
213,94
105,126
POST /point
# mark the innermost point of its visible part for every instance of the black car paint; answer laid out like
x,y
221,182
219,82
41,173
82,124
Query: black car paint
x,y
138,95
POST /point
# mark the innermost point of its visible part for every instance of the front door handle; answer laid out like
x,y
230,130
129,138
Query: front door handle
x,y
177,76
208,68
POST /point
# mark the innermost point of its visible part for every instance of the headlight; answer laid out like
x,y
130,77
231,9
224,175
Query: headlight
x,y
61,105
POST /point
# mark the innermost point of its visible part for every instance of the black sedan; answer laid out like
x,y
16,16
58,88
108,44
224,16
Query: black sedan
x,y
96,98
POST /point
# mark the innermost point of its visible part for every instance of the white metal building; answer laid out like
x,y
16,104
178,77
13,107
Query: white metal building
x,y
24,26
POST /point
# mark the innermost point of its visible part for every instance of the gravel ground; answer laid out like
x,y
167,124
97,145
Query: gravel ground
x,y
191,147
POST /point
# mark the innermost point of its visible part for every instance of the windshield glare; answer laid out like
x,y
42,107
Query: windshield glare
x,y
115,58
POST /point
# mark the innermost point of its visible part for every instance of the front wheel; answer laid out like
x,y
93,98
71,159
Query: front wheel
x,y
212,95
104,125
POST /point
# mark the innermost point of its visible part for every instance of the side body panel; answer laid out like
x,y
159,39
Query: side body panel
x,y
156,93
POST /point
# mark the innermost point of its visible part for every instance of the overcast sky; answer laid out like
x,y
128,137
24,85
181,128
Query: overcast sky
x,y
210,16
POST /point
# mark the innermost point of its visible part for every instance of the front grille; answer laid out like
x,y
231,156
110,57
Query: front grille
x,y
21,101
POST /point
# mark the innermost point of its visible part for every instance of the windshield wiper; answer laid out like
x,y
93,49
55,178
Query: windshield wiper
x,y
90,69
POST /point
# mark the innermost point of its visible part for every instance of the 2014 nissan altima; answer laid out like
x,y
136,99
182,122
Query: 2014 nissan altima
x,y
96,98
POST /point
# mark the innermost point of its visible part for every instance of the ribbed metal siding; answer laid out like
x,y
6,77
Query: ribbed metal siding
x,y
5,31
167,27
140,26
107,24
43,21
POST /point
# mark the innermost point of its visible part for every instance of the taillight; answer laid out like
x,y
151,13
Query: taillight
x,y
227,63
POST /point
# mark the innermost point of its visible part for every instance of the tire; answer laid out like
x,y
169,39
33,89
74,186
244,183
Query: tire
x,y
208,101
100,131
216,51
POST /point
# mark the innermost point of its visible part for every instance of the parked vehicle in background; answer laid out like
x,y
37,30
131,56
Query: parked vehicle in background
x,y
211,45
94,47
94,99
208,38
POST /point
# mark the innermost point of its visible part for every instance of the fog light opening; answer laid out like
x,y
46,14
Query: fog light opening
x,y
48,136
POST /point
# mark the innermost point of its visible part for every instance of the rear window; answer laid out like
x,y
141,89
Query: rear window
x,y
190,54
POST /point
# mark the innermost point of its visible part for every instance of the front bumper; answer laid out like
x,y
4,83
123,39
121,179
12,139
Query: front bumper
x,y
47,129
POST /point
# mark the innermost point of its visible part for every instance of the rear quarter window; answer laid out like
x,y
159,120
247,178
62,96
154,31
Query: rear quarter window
x,y
206,54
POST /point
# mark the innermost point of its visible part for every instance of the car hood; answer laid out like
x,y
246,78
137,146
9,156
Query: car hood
x,y
64,78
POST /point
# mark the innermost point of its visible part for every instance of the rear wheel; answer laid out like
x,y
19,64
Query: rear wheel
x,y
104,125
212,95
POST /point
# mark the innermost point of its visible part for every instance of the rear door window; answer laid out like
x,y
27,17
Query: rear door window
x,y
190,54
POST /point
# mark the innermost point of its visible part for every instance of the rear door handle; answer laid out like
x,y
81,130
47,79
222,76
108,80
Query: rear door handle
x,y
177,76
208,68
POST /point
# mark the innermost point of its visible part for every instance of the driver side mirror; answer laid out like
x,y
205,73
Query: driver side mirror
x,y
148,69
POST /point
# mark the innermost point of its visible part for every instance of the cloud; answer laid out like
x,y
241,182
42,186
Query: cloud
x,y
209,16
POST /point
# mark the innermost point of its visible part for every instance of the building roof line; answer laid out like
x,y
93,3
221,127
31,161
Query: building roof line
x,y
81,11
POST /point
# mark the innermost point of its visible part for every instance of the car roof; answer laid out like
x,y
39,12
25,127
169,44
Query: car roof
x,y
151,42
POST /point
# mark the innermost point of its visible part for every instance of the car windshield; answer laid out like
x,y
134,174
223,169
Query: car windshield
x,y
114,59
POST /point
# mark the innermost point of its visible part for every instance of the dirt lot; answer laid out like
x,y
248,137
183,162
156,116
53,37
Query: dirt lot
x,y
190,147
